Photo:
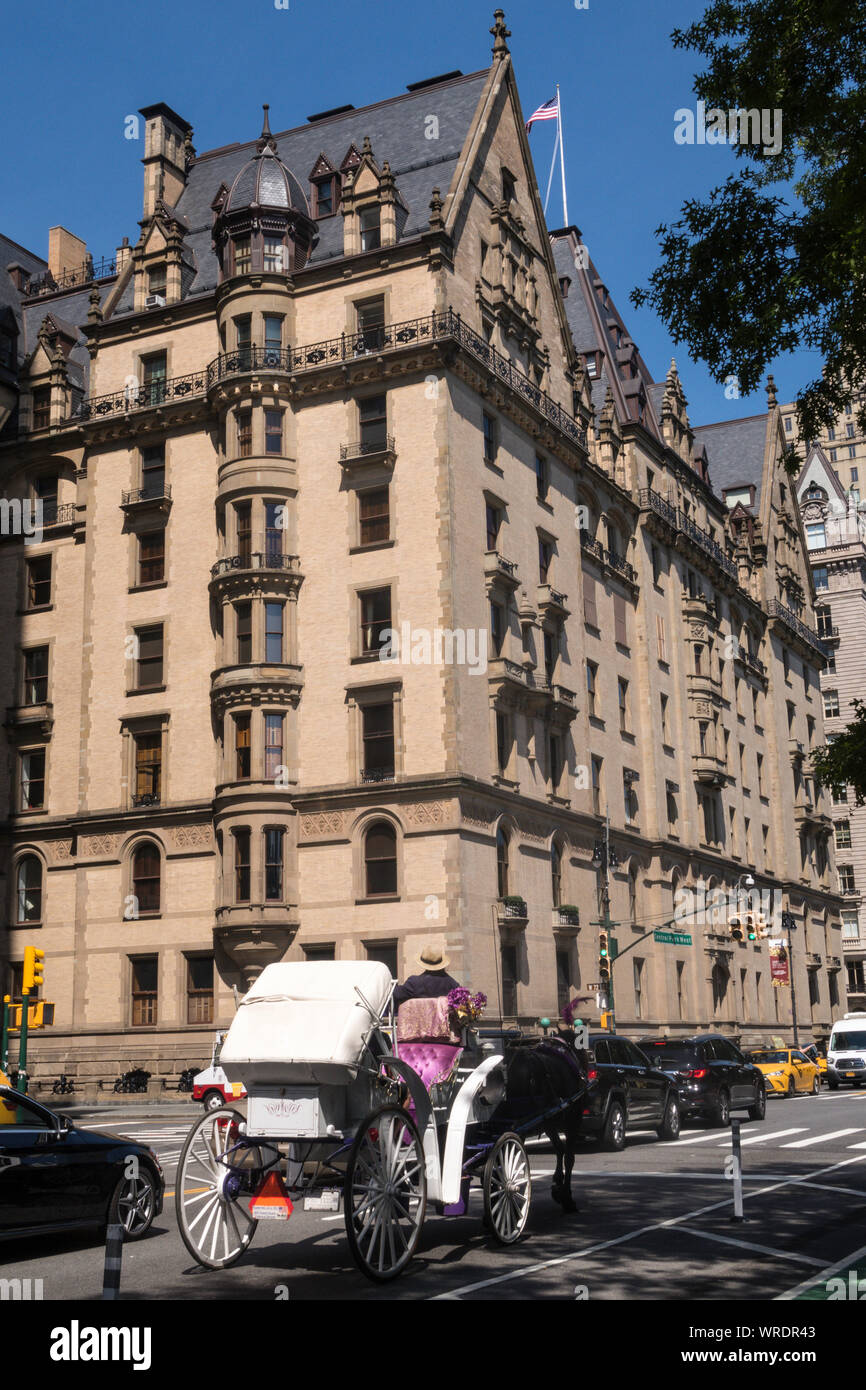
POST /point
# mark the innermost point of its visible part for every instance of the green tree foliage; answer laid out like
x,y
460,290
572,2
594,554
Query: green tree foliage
x,y
773,260
843,762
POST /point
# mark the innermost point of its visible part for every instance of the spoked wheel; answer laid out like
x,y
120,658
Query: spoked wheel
x,y
507,1189
385,1193
215,1180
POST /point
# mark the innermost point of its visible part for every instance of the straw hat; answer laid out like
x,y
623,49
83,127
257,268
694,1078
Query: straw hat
x,y
432,957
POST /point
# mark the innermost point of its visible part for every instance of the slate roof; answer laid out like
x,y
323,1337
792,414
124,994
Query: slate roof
x,y
397,130
735,450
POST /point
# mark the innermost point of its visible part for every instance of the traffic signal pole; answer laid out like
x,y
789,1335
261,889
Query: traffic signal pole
x,y
22,1047
4,1036
788,924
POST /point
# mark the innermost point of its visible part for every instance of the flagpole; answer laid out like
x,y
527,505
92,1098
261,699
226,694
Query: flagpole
x,y
561,154
552,167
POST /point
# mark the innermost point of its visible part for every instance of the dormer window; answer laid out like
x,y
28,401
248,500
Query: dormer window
x,y
156,281
42,408
371,231
324,198
592,365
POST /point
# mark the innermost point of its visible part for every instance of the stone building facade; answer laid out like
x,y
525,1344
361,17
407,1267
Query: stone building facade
x,y
346,397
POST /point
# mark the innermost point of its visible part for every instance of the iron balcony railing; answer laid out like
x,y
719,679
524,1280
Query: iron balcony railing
x,y
388,338
676,518
591,545
787,616
362,448
153,493
254,560
621,565
141,397
85,274
377,774
57,514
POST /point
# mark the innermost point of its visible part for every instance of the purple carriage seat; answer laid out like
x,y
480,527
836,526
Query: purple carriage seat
x,y
426,1040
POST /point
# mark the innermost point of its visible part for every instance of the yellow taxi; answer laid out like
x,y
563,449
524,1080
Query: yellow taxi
x,y
820,1060
7,1112
787,1071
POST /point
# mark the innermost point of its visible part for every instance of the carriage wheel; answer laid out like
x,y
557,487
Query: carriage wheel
x,y
507,1189
386,1193
212,1216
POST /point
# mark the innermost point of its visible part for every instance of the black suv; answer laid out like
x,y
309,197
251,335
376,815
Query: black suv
x,y
712,1075
625,1090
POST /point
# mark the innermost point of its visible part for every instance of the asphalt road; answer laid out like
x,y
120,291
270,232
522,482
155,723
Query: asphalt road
x,y
654,1223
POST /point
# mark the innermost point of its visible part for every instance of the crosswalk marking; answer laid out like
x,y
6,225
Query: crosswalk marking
x,y
765,1138
857,1146
822,1138
702,1138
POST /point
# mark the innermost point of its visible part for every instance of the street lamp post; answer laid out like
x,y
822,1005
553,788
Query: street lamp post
x,y
789,923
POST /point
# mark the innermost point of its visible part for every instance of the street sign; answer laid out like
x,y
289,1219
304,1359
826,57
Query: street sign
x,y
596,986
673,938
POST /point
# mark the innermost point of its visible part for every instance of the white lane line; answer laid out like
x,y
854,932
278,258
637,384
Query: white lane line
x,y
765,1138
639,1231
748,1245
704,1138
823,1138
816,1279
855,1146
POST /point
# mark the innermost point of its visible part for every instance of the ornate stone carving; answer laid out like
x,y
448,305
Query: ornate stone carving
x,y
193,837
62,850
322,823
427,813
102,846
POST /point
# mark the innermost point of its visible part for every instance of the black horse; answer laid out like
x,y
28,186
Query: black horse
x,y
548,1078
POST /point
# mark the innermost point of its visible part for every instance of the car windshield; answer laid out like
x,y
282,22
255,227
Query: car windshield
x,y
841,1042
769,1056
668,1054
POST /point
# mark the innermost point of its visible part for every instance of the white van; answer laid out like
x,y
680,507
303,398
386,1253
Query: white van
x,y
846,1052
211,1086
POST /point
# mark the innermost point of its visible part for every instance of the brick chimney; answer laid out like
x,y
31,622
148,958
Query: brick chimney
x,y
65,252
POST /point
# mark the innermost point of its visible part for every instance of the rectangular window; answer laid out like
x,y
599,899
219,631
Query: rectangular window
x,y
378,742
497,628
154,369
551,652
370,225
370,318
156,280
242,866
671,801
760,762
661,638
663,710
846,879
273,339
493,517
508,956
554,762
274,518
324,205
843,834
273,431
324,952
619,621
622,690
816,538
629,799
824,615
151,557
145,975
149,666
148,768
545,555
35,676
850,925
42,407
373,423
375,619
199,989
638,987
243,255
374,515
542,482
503,746
244,421
274,613
274,865
273,746
385,952
275,258
821,576
242,747
591,679
563,979
32,779
831,704
153,471
489,428
590,608
244,631
596,785
39,582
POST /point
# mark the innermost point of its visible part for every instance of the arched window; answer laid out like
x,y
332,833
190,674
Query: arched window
x,y
380,859
146,874
28,885
502,862
556,873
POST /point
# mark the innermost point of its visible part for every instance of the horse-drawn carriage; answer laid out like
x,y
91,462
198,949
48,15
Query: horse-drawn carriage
x,y
340,1096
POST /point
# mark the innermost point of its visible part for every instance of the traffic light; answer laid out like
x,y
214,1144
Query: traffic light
x,y
603,945
751,929
607,1020
736,925
33,967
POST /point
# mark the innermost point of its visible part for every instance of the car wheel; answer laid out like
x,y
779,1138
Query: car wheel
x,y
213,1100
670,1125
832,1085
613,1134
133,1205
758,1111
816,1086
791,1091
721,1114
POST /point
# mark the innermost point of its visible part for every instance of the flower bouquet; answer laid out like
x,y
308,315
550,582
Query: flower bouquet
x,y
465,1008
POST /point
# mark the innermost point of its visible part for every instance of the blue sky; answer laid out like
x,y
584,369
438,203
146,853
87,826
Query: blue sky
x,y
70,81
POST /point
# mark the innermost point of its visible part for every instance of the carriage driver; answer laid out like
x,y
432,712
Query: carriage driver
x,y
433,981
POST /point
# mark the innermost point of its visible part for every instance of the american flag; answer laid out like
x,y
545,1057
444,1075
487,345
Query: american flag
x,y
548,112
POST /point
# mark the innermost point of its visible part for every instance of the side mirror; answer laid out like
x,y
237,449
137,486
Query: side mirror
x,y
63,1127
